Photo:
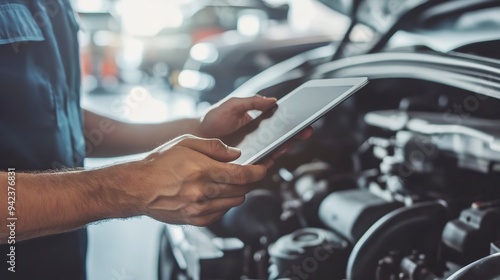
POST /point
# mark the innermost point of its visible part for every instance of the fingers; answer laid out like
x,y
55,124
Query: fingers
x,y
235,174
222,190
213,148
216,205
268,163
213,210
205,220
200,185
286,147
243,105
305,134
220,172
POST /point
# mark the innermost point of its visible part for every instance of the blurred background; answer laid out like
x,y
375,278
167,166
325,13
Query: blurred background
x,y
170,51
434,86
154,60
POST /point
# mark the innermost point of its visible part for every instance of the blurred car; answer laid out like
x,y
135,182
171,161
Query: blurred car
x,y
221,64
169,48
398,182
218,65
128,41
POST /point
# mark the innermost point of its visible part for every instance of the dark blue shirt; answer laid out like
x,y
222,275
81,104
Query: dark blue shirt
x,y
41,120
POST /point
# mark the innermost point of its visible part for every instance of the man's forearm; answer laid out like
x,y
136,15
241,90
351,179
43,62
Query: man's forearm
x,y
50,203
186,181
107,137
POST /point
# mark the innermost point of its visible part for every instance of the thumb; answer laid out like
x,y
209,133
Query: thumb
x,y
213,148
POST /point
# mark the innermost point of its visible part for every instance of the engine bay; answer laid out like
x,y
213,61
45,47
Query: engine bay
x,y
399,182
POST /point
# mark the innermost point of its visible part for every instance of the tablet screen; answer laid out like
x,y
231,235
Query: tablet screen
x,y
269,129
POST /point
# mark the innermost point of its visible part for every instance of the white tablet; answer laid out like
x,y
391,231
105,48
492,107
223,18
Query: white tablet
x,y
293,113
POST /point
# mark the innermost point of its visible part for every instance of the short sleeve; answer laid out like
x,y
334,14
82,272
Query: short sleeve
x,y
18,25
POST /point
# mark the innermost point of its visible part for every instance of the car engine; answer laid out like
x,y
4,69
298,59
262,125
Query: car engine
x,y
399,182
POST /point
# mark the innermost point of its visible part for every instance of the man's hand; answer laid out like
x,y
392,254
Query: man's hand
x,y
108,137
188,181
185,181
226,117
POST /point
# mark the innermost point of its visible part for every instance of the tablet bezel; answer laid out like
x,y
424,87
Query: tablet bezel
x,y
354,83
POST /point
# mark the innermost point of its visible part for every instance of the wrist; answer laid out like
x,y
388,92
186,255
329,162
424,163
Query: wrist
x,y
113,191
196,128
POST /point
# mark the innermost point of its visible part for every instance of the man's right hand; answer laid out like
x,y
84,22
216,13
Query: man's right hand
x,y
188,180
